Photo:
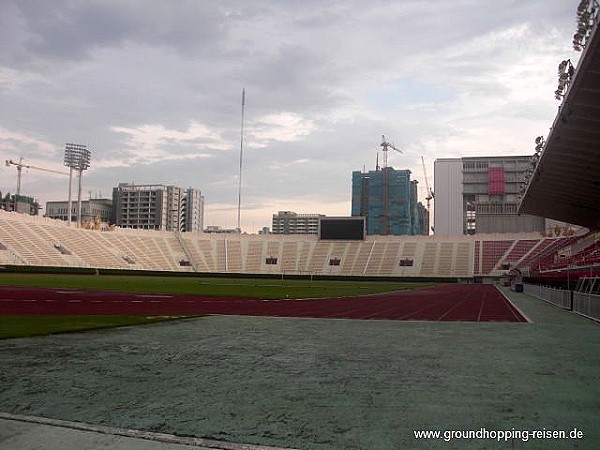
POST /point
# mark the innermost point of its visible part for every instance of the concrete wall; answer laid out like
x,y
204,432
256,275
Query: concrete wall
x,y
494,223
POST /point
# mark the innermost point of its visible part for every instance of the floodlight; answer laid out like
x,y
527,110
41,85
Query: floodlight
x,y
565,74
587,14
77,157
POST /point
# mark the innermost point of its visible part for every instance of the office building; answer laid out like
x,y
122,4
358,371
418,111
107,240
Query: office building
x,y
98,210
289,222
388,199
194,210
478,195
158,207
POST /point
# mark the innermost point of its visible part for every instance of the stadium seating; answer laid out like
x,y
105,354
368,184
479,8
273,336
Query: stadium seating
x,y
492,253
35,241
570,252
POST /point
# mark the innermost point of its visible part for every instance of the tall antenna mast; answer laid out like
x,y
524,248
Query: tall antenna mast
x,y
241,154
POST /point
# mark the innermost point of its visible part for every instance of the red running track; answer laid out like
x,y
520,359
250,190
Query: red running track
x,y
458,302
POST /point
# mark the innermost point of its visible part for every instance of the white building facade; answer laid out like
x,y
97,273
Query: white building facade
x,y
158,207
92,210
448,202
290,222
480,195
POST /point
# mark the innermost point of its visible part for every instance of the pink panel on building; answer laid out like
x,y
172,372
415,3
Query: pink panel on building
x,y
496,180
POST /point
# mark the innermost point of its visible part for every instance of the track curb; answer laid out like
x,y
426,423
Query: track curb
x,y
137,434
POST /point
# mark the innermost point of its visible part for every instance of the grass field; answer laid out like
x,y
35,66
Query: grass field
x,y
27,326
22,326
233,287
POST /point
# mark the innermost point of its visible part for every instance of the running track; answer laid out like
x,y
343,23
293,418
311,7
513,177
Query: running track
x,y
459,302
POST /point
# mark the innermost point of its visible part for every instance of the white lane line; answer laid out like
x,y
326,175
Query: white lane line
x,y
153,296
69,292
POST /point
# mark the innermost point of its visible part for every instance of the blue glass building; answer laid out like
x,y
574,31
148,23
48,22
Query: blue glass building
x,y
388,199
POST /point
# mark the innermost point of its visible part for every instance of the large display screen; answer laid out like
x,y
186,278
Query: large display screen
x,y
342,228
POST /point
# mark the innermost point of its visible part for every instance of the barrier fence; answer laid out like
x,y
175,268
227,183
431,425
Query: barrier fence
x,y
587,304
580,302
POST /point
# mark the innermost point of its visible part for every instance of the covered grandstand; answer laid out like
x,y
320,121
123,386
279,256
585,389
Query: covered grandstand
x,y
565,184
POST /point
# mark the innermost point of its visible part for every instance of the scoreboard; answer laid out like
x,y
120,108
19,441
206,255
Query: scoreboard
x,y
342,228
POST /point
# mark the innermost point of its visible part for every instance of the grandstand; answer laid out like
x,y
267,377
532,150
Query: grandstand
x,y
32,241
565,182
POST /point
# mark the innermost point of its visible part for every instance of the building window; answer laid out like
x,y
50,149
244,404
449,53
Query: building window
x,y
406,262
335,261
271,260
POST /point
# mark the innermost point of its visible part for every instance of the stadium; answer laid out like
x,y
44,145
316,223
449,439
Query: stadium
x,y
482,333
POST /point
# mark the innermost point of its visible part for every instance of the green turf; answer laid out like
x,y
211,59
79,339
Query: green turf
x,y
26,326
245,287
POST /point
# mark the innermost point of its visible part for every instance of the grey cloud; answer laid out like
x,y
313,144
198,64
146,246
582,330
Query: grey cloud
x,y
70,30
78,70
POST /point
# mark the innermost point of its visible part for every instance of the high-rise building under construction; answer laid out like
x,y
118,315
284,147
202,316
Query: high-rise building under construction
x,y
158,207
388,199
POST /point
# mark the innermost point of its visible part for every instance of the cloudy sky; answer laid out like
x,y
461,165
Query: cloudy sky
x,y
154,89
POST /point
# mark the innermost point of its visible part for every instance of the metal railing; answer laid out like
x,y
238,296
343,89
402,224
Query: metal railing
x,y
579,302
558,297
587,304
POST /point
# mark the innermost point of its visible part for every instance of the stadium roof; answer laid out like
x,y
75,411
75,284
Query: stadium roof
x,y
566,182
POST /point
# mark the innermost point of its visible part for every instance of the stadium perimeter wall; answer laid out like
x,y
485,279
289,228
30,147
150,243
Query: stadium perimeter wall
x,y
32,242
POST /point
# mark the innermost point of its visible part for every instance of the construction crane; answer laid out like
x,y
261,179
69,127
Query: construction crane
x,y
430,194
386,147
20,166
385,216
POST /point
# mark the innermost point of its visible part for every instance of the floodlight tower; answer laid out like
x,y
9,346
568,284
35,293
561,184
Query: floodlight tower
x,y
77,157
